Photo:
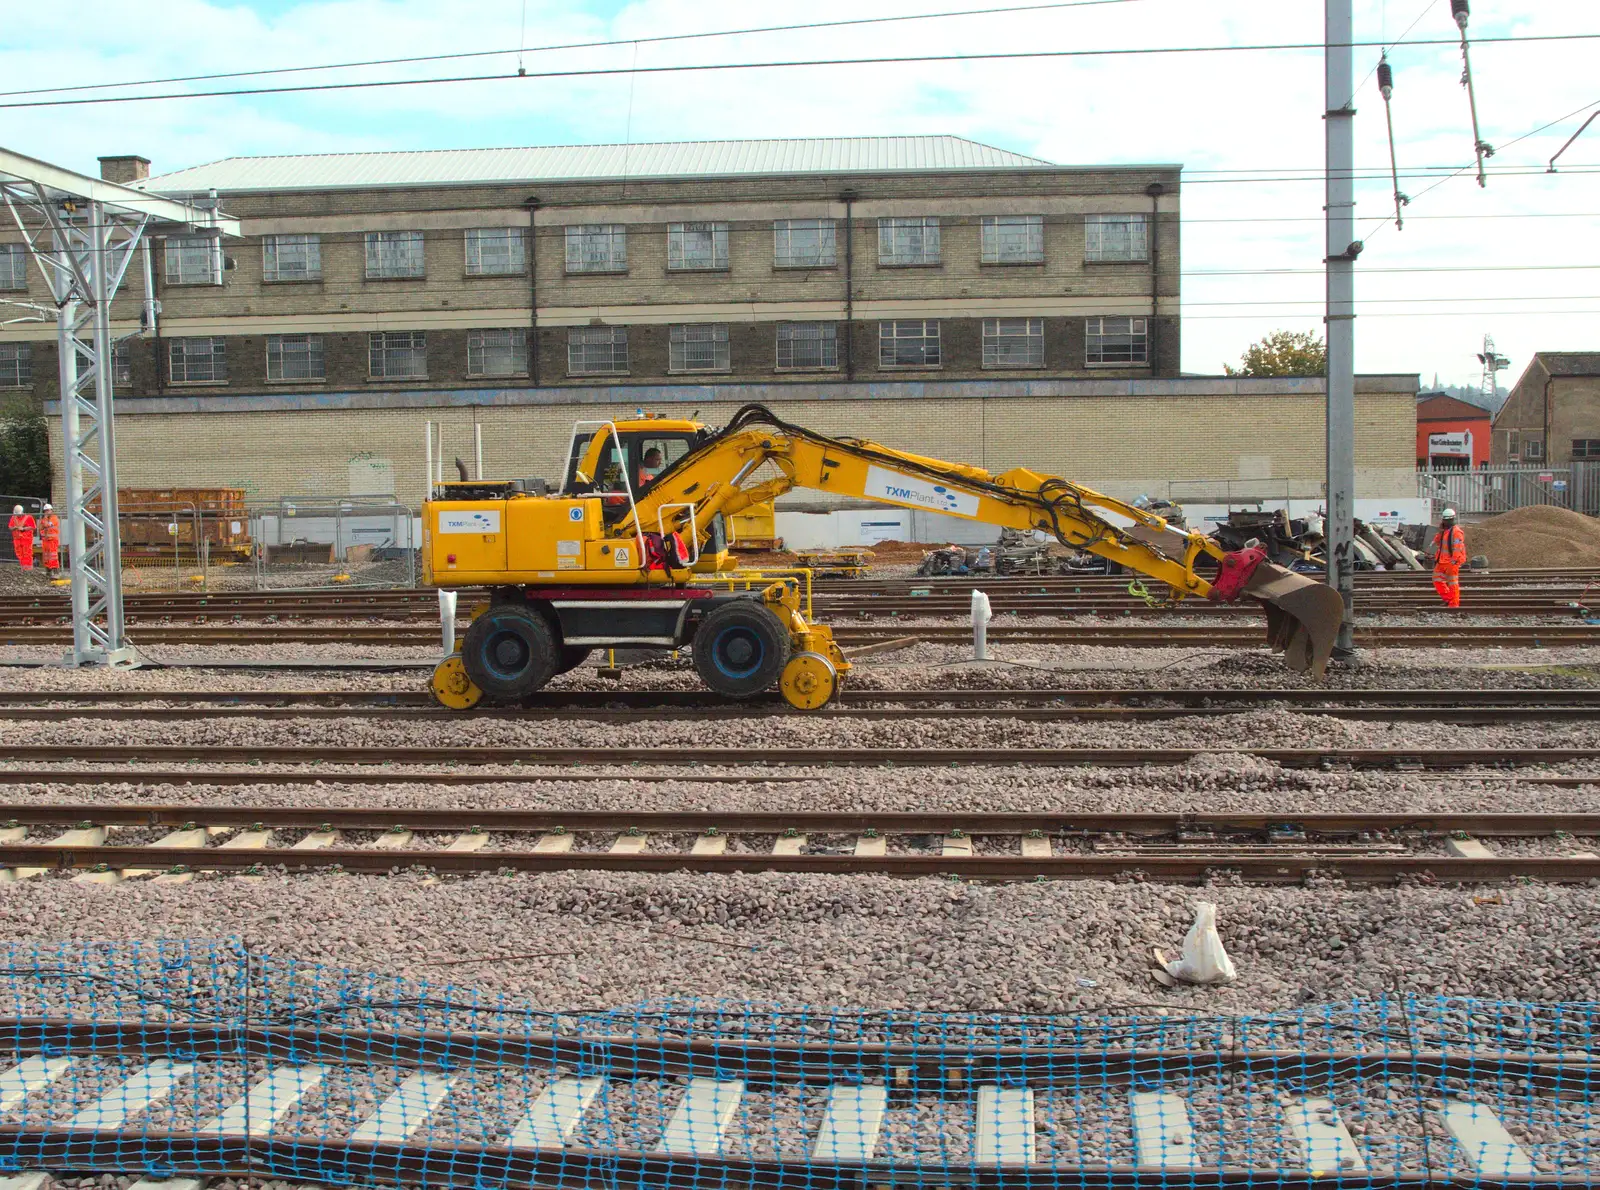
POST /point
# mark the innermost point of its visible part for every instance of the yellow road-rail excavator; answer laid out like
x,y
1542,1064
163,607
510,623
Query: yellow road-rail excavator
x,y
629,552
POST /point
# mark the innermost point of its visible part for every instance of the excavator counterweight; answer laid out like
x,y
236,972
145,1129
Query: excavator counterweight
x,y
629,551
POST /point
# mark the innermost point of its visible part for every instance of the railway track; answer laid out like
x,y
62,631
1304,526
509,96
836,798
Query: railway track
x,y
1122,635
1003,1102
628,705
1183,848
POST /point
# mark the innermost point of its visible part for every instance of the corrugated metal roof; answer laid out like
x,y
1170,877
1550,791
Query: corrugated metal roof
x,y
440,167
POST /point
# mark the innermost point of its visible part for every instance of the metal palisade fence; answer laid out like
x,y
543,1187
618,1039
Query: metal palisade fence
x,y
1501,489
196,1059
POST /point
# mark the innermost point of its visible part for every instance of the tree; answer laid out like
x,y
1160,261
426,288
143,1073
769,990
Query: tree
x,y
1283,353
24,449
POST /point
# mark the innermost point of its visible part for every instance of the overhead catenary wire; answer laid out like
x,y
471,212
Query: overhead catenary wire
x,y
776,64
519,49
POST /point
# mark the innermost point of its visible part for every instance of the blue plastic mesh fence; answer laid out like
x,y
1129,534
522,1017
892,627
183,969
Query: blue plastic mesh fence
x,y
203,1059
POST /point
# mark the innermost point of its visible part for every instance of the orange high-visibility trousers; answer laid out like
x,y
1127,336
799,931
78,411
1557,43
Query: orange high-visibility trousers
x,y
1447,581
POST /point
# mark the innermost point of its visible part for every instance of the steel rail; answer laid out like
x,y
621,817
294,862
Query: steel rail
x,y
932,1070
1126,636
471,1167
1288,868
1427,757
777,822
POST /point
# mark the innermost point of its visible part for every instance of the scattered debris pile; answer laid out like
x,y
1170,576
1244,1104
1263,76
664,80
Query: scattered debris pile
x,y
1298,542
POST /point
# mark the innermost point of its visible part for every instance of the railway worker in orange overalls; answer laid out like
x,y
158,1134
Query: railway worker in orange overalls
x,y
50,539
21,526
1449,556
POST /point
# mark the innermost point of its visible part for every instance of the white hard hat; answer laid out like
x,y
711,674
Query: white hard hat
x,y
17,511
49,507
1448,514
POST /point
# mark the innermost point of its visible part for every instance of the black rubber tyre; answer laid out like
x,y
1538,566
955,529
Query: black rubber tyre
x,y
740,649
572,656
509,652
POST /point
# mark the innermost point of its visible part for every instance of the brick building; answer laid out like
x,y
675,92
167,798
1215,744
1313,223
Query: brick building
x,y
1553,413
1451,433
937,294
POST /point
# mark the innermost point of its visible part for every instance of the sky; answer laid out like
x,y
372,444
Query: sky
x,y
1518,259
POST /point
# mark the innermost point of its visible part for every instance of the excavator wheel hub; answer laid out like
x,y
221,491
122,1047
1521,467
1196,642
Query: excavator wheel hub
x,y
809,681
452,687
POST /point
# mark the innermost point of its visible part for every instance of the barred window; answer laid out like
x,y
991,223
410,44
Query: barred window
x,y
698,347
194,260
908,241
808,345
16,365
295,357
496,251
395,254
909,343
1116,341
1013,342
497,353
597,248
122,362
198,361
291,258
804,244
697,245
597,350
1012,239
1586,448
1115,237
13,266
397,355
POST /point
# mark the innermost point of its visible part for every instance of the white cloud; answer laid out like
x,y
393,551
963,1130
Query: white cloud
x,y
1247,112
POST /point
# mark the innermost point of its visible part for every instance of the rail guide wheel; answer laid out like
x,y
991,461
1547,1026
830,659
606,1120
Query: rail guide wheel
x,y
451,686
809,681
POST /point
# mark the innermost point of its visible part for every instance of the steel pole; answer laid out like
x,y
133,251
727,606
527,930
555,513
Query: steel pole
x,y
1339,129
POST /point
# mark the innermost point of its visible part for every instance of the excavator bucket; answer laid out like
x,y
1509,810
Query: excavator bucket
x,y
1303,616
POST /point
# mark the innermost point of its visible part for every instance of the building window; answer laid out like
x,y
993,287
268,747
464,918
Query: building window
x,y
808,345
496,251
1116,342
198,361
394,254
295,357
291,258
1115,237
1013,342
1586,448
597,248
1012,239
698,347
16,365
697,246
194,260
909,343
397,355
13,266
597,350
804,244
122,362
903,242
497,353
1532,449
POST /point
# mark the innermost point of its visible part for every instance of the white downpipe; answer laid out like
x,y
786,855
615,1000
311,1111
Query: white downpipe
x,y
427,460
447,621
980,626
477,449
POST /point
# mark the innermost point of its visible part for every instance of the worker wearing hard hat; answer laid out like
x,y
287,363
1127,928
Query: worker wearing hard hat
x,y
50,539
1449,556
21,526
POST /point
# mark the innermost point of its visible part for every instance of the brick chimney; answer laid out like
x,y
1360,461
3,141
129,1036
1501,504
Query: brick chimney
x,y
124,170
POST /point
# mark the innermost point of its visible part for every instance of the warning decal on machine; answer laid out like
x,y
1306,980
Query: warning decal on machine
x,y
471,521
896,488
